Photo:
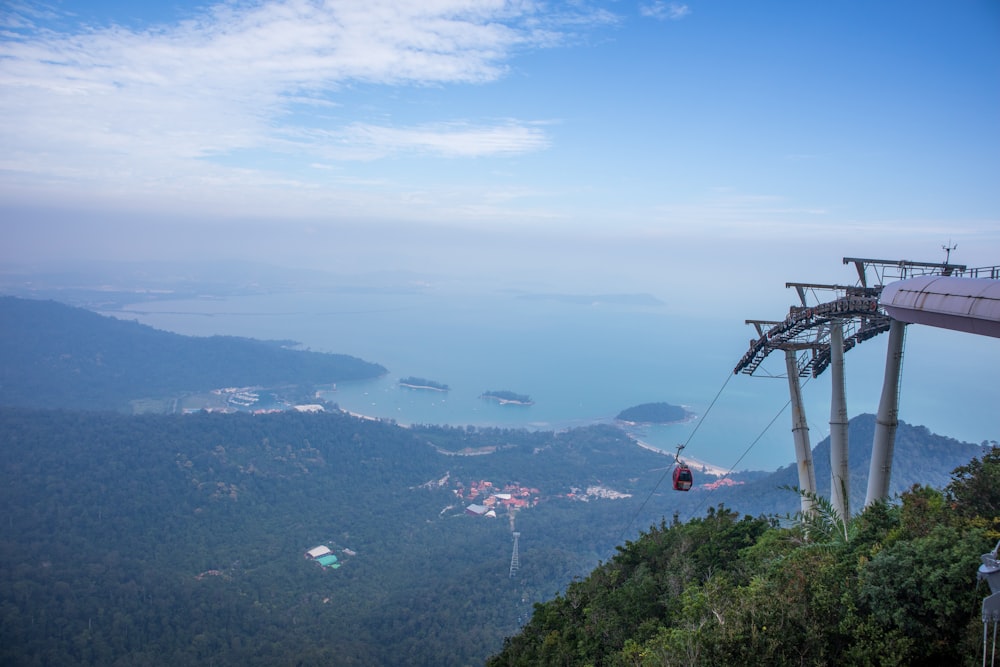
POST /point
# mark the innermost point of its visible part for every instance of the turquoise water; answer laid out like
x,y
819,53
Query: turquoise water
x,y
580,363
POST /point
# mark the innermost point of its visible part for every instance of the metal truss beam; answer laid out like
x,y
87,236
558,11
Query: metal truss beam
x,y
808,328
900,269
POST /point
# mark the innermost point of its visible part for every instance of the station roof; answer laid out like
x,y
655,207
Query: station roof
x,y
962,304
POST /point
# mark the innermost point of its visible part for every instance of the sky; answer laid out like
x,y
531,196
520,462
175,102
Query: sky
x,y
705,152
589,144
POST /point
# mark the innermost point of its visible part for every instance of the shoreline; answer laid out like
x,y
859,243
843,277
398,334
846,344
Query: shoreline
x,y
688,418
422,387
505,401
701,466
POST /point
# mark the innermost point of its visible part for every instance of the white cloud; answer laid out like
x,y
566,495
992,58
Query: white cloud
x,y
665,11
447,139
147,106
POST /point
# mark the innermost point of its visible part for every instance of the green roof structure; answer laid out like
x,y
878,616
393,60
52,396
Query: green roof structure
x,y
328,560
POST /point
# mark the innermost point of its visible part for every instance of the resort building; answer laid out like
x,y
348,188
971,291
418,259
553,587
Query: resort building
x,y
323,556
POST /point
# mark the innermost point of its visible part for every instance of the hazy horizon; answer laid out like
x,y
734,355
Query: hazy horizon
x,y
583,361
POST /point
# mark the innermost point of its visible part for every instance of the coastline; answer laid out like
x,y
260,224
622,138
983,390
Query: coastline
x,y
702,466
361,416
422,387
688,418
505,401
697,464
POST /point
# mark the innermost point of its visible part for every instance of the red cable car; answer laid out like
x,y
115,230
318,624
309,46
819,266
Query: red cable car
x,y
683,479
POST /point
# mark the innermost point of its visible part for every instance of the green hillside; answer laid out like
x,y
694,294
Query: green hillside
x,y
180,539
895,586
52,355
920,457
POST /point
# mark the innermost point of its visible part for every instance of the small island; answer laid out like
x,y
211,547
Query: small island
x,y
653,413
422,383
505,397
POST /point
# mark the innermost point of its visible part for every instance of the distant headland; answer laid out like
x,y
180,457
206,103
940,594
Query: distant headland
x,y
654,413
422,383
505,397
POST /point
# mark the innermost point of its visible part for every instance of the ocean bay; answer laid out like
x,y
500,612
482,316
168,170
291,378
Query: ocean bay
x,y
580,362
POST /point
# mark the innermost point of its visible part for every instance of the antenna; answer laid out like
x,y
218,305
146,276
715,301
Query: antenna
x,y
947,250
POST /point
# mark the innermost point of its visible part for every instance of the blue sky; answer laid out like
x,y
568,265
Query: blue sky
x,y
594,144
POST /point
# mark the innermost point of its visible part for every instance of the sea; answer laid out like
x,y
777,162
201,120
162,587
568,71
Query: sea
x,y
582,361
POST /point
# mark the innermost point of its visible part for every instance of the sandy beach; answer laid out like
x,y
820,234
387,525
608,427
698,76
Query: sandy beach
x,y
702,466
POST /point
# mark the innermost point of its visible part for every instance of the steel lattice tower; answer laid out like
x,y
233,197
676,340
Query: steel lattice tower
x,y
515,561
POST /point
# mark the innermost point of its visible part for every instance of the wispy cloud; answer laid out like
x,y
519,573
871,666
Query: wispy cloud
x,y
664,11
447,139
114,102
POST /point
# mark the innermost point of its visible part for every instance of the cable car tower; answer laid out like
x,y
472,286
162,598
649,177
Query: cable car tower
x,y
812,339
515,559
815,337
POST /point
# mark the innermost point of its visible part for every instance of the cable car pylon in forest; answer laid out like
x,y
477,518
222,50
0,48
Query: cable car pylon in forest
x,y
683,479
813,337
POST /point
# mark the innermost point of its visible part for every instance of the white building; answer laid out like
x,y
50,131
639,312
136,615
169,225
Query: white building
x,y
316,552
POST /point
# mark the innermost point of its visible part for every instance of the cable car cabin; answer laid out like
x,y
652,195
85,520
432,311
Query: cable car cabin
x,y
683,479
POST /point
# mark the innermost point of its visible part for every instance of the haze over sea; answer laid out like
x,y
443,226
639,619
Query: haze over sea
x,y
581,360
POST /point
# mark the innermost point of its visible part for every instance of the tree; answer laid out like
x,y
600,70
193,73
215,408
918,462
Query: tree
x,y
975,488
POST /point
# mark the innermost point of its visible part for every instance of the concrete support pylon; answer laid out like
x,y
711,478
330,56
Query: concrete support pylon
x,y
800,432
887,418
840,481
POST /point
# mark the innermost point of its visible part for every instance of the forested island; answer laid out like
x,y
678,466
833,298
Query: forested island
x,y
413,382
653,413
505,397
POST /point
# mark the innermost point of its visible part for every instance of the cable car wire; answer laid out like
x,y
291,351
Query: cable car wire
x,y
670,468
743,455
747,450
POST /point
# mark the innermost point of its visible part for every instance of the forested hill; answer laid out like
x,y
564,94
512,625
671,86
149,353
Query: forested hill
x,y
919,457
896,585
56,355
179,539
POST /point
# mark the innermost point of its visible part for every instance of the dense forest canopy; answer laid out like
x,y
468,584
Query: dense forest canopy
x,y
180,539
894,585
